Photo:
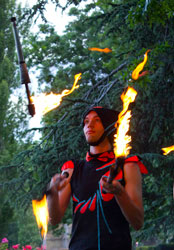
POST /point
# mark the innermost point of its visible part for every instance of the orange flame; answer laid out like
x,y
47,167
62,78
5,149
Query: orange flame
x,y
40,210
47,102
121,139
139,68
168,150
106,50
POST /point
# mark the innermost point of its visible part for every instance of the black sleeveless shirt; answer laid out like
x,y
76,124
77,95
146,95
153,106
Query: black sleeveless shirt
x,y
98,223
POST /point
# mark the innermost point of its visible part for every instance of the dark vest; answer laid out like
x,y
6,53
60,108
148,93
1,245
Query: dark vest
x,y
98,222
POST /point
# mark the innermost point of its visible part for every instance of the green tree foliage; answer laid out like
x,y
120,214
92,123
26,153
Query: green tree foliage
x,y
129,28
6,79
13,119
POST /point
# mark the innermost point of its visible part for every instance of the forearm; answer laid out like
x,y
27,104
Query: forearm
x,y
55,215
58,202
133,212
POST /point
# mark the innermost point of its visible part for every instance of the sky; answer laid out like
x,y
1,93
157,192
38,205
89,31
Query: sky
x,y
55,17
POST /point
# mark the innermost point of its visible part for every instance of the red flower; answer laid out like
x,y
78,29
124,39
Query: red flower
x,y
4,240
28,247
15,246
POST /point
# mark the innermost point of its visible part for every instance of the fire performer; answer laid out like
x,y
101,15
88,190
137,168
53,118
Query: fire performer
x,y
102,211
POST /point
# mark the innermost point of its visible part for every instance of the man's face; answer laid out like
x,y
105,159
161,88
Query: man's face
x,y
93,127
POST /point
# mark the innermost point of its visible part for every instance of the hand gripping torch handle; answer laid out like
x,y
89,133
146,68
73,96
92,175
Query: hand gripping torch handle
x,y
23,67
119,162
48,190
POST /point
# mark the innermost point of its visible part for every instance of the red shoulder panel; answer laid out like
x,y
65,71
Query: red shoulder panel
x,y
67,164
142,167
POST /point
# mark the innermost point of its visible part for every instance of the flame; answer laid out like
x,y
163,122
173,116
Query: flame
x,y
121,139
47,102
106,50
168,150
40,210
139,68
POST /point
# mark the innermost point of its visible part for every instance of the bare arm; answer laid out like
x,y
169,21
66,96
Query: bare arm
x,y
59,197
129,197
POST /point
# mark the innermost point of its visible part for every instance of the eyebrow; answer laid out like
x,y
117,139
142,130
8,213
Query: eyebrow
x,y
96,116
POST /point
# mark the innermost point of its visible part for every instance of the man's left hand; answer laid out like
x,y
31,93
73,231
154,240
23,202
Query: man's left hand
x,y
114,188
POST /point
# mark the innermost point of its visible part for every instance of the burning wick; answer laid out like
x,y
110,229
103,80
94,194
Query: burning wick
x,y
121,139
106,50
136,73
168,150
47,102
40,210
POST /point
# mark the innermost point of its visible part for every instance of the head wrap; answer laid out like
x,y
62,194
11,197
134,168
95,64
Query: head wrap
x,y
108,118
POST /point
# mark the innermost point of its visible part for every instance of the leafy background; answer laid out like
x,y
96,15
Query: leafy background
x,y
129,28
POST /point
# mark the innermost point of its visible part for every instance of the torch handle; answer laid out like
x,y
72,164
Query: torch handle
x,y
25,79
119,162
23,67
48,190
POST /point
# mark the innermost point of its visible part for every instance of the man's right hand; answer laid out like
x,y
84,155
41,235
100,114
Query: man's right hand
x,y
58,182
59,194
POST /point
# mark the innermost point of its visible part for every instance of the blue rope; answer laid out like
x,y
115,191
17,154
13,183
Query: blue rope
x,y
85,203
76,198
92,201
101,168
100,203
98,223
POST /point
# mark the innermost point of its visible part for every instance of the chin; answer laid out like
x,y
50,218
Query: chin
x,y
90,141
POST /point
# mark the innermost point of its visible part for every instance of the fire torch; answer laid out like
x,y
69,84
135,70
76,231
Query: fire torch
x,y
23,67
121,138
